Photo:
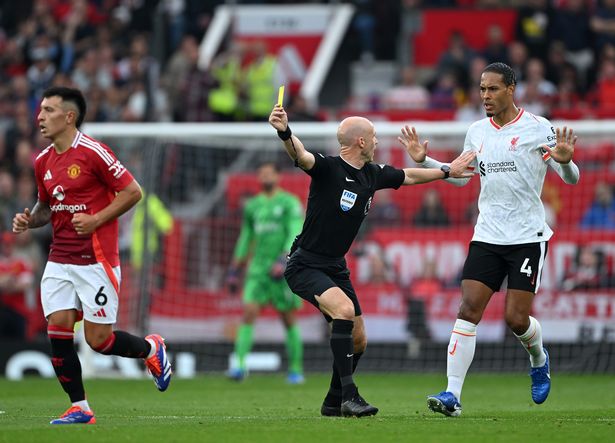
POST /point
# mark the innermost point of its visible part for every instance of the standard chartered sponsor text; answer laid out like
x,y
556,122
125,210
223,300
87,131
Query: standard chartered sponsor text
x,y
70,208
502,167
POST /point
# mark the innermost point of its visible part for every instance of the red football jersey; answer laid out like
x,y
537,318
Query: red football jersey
x,y
85,178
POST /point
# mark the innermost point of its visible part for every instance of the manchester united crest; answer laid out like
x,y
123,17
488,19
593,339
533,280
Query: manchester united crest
x,y
73,171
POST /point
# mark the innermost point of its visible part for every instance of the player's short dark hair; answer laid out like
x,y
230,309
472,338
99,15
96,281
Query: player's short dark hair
x,y
270,163
508,75
71,95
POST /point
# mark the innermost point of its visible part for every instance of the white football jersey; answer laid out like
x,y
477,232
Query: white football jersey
x,y
512,162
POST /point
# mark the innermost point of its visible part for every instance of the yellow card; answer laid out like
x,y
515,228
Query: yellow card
x,y
281,95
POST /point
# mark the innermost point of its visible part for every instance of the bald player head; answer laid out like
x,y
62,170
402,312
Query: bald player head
x,y
357,133
352,128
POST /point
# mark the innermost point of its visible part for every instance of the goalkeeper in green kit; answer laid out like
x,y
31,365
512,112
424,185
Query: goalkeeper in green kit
x,y
271,220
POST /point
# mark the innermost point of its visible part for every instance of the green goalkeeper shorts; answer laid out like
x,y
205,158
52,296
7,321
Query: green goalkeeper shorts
x,y
264,291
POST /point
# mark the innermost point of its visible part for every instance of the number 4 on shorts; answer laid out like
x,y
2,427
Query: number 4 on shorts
x,y
525,269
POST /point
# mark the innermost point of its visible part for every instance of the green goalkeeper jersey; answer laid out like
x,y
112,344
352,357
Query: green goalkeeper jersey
x,y
268,229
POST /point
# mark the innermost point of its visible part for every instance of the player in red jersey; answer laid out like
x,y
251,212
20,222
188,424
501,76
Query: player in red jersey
x,y
82,190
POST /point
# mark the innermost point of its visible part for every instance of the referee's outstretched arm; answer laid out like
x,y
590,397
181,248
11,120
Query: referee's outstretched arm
x,y
302,158
457,169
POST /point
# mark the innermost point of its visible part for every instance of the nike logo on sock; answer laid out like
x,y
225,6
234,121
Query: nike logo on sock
x,y
349,355
349,179
454,349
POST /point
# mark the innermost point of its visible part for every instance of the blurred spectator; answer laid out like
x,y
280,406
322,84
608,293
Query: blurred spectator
x,y
477,66
428,283
260,82
364,23
472,110
384,211
226,71
605,85
194,92
112,106
160,223
85,74
447,93
456,59
178,68
408,94
25,190
533,101
176,21
496,49
432,212
41,72
532,27
422,288
298,111
517,57
16,290
602,22
146,105
601,214
77,19
559,68
379,270
571,26
588,271
7,198
141,72
13,59
24,156
27,246
535,79
567,96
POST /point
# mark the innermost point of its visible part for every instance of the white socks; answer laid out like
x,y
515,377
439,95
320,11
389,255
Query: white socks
x,y
532,342
83,404
460,355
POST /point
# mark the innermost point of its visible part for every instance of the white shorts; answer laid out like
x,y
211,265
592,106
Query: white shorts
x,y
86,288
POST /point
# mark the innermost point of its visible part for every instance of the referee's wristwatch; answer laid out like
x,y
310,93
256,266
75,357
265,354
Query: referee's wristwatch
x,y
447,171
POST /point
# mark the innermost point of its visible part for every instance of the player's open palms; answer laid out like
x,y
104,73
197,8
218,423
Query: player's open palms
x,y
410,139
564,147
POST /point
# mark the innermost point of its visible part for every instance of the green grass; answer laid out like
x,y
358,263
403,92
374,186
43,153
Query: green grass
x,y
265,409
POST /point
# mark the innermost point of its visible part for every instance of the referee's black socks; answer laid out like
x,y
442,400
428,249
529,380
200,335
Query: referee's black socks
x,y
334,396
342,348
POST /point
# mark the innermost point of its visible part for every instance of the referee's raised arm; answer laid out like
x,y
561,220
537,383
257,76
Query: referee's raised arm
x,y
295,149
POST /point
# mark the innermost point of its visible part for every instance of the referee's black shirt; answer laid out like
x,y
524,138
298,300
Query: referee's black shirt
x,y
340,198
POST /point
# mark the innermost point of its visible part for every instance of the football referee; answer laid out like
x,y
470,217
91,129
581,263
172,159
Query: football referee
x,y
341,193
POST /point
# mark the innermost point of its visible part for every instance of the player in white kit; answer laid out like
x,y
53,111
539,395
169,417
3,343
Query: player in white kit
x,y
513,150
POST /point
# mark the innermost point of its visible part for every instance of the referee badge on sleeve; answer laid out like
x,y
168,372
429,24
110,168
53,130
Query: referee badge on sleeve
x,y
347,200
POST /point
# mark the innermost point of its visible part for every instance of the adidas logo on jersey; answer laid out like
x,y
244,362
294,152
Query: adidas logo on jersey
x,y
47,175
100,313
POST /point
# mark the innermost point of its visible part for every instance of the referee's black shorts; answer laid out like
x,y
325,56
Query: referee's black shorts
x,y
491,264
309,275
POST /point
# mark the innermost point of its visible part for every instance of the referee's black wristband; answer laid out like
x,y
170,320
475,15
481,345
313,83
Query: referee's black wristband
x,y
286,134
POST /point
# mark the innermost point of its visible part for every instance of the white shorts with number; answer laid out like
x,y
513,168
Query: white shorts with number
x,y
86,288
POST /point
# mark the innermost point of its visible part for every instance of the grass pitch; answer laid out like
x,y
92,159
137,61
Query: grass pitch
x,y
496,408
